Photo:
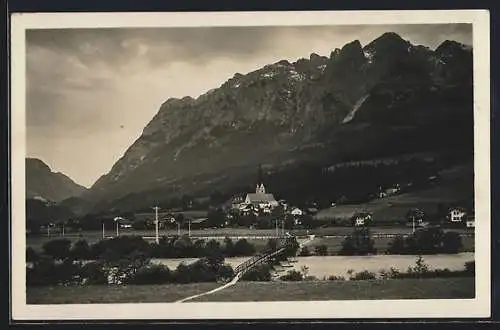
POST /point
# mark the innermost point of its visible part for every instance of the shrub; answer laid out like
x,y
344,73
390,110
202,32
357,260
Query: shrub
x,y
58,248
420,267
470,267
292,275
258,273
362,276
93,273
321,250
151,274
397,245
359,243
81,251
225,273
199,271
243,248
336,278
304,252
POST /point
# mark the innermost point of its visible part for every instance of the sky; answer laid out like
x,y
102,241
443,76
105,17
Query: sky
x,y
90,92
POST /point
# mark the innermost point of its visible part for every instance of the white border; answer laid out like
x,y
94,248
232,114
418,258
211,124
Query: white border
x,y
478,307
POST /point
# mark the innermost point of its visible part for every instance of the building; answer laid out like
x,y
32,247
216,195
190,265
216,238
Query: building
x,y
260,198
457,215
361,219
296,212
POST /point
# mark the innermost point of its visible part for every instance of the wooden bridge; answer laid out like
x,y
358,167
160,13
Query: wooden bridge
x,y
261,259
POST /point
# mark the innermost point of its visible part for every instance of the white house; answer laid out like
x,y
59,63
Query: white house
x,y
361,219
296,212
457,214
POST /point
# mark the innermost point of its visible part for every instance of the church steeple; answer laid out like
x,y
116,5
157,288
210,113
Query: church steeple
x,y
260,189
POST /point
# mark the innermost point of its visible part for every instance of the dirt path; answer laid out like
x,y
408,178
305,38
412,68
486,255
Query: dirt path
x,y
235,278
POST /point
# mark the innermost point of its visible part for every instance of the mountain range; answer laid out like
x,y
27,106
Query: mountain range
x,y
45,185
384,99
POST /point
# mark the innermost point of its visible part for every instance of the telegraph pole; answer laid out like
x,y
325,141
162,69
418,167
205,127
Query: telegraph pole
x,y
117,220
277,232
103,230
413,223
156,222
189,228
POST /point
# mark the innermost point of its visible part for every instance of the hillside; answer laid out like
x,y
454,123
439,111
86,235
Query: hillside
x,y
381,100
41,182
456,187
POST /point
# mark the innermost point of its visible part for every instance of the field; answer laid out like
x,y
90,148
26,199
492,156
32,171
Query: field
x,y
99,294
260,291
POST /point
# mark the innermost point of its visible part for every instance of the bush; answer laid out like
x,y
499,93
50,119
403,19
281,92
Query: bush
x,y
292,276
258,273
199,271
81,251
225,273
304,252
470,267
362,276
321,250
58,248
93,273
243,248
359,243
151,274
336,278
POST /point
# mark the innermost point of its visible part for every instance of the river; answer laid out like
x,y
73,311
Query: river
x,y
339,265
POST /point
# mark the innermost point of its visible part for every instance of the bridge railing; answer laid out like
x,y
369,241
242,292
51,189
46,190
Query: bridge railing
x,y
260,258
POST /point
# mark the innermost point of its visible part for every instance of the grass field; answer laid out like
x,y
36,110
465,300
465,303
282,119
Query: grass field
x,y
260,291
457,288
100,294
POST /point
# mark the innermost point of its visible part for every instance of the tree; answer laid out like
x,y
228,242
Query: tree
x,y
243,248
304,252
228,247
359,243
81,250
58,249
397,245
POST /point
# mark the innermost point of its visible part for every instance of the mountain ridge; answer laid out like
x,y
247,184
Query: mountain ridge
x,y
285,105
43,183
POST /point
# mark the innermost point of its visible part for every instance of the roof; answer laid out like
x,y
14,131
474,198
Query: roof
x,y
253,197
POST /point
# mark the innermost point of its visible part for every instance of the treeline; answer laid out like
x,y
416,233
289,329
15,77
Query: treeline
x,y
127,260
423,242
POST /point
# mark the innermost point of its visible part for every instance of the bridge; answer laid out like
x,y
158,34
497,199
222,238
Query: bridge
x,y
249,264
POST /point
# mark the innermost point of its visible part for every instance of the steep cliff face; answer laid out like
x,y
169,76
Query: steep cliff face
x,y
42,183
272,115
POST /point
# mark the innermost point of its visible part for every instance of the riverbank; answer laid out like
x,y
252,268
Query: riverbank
x,y
432,288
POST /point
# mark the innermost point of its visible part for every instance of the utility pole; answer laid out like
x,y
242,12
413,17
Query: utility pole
x,y
63,229
156,222
413,223
189,228
277,232
178,228
103,230
117,220
282,226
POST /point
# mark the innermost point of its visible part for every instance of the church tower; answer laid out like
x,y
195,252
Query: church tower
x,y
260,189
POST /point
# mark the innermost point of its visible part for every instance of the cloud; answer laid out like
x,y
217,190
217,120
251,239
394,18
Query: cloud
x,y
90,92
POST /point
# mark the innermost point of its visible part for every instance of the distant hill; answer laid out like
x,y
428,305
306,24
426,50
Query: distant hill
x,y
42,183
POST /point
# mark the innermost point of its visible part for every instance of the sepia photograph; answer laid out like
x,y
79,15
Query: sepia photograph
x,y
250,165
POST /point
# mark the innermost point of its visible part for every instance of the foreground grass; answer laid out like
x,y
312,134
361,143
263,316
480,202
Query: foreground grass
x,y
452,288
259,291
103,294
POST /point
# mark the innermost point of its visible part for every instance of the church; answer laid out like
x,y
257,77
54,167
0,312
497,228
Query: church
x,y
260,198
